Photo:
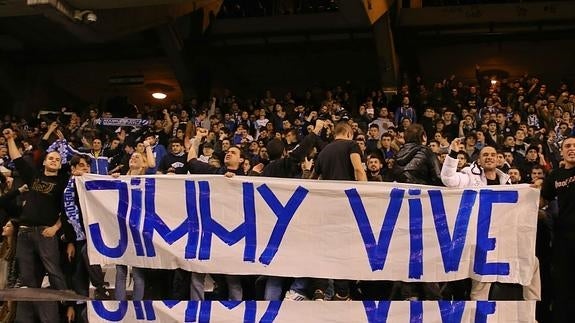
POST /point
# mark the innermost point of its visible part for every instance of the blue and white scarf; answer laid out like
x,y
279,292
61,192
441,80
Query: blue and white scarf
x,y
72,211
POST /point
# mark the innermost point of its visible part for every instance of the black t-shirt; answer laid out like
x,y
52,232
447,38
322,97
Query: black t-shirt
x,y
43,201
561,184
178,162
199,167
333,162
493,181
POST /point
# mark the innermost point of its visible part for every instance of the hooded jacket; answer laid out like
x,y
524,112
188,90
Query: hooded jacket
x,y
471,176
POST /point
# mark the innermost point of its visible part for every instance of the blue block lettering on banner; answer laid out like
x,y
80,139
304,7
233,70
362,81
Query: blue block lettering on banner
x,y
153,222
451,246
376,312
484,244
136,215
484,309
416,312
191,311
113,316
284,215
376,252
451,312
95,231
142,215
415,235
253,311
210,227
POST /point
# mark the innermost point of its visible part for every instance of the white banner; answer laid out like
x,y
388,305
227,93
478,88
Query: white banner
x,y
310,312
299,228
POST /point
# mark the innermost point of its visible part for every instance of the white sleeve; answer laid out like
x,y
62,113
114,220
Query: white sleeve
x,y
450,176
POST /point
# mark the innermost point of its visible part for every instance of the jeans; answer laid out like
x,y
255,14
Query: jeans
x,y
299,285
85,272
340,287
45,312
32,243
235,291
139,283
274,288
563,280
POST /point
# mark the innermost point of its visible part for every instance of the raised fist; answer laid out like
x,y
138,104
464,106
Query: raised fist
x,y
201,133
8,134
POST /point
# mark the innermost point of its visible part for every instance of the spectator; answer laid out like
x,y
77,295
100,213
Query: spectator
x,y
175,161
559,184
339,160
416,163
39,222
483,172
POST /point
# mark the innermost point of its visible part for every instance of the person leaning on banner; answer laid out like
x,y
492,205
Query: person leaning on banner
x,y
481,173
339,160
233,161
415,163
284,164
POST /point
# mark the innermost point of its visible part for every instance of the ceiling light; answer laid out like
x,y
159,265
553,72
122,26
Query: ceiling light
x,y
159,95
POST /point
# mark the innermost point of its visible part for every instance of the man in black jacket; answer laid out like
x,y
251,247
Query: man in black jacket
x,y
417,164
286,165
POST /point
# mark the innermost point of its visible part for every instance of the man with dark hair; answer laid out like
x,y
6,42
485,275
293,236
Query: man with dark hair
x,y
470,146
285,164
416,163
339,160
514,175
560,185
374,168
77,250
372,138
502,163
291,139
233,162
386,151
493,137
158,149
174,162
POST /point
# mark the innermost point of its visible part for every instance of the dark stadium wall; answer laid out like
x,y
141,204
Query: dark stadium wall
x,y
552,60
295,67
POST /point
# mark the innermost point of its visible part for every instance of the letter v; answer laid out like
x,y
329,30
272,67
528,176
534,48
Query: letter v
x,y
376,312
376,252
451,248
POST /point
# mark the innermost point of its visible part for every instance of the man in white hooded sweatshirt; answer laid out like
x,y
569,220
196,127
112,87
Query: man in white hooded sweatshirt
x,y
481,173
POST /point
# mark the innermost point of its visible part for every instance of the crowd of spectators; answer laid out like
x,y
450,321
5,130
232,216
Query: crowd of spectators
x,y
524,120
